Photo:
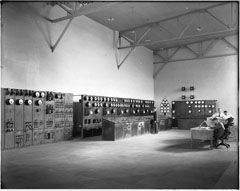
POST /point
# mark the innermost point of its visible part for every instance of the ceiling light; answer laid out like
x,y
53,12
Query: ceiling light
x,y
110,19
199,28
186,8
132,32
147,40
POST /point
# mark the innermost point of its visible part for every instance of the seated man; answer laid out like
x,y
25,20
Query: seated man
x,y
218,114
218,131
228,119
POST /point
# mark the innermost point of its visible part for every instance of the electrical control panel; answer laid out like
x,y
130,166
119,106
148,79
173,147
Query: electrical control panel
x,y
59,116
94,108
68,110
38,116
18,117
27,118
34,117
194,111
7,117
49,132
123,127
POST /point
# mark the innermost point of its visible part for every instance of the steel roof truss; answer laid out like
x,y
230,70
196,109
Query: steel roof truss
x,y
217,19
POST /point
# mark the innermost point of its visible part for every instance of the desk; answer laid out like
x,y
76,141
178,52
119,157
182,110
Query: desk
x,y
201,133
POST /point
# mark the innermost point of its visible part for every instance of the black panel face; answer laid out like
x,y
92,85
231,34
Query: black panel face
x,y
193,109
196,110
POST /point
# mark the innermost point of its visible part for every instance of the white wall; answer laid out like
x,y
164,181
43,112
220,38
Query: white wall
x,y
213,78
83,62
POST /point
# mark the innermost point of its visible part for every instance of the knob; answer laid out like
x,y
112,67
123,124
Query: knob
x,y
19,102
7,91
17,92
85,98
10,101
42,94
97,111
20,92
11,91
36,94
28,102
25,92
88,104
38,102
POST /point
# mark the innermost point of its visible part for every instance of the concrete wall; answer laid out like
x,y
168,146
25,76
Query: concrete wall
x,y
213,78
83,62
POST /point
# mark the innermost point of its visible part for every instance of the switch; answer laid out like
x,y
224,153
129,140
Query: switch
x,y
28,102
38,102
88,104
10,101
19,102
36,94
42,94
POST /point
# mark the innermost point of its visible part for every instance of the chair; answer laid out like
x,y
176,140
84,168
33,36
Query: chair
x,y
223,139
226,133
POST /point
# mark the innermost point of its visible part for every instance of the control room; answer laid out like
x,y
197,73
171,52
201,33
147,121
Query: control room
x,y
119,95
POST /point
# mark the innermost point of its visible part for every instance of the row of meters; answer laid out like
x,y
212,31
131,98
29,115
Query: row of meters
x,y
20,101
98,104
37,94
193,102
111,99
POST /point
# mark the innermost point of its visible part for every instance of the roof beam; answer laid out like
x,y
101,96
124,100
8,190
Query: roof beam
x,y
217,19
230,44
197,58
195,38
94,7
174,17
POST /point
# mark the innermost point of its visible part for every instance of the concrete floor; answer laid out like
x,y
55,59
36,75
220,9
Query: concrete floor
x,y
153,161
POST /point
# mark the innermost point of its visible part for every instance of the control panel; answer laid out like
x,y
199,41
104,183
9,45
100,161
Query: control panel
x,y
94,108
34,117
68,110
59,116
38,116
49,132
190,113
7,117
27,118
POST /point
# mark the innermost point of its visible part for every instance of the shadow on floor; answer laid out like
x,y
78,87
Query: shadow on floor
x,y
184,145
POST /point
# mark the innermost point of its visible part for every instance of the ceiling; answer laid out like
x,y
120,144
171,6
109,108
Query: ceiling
x,y
158,25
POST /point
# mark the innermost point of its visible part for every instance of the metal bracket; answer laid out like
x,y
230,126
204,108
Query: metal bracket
x,y
117,44
61,35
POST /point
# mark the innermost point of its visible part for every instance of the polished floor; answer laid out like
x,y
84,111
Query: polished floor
x,y
152,161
